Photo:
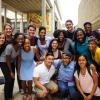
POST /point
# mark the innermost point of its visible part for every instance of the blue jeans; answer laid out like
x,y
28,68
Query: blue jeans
x,y
64,90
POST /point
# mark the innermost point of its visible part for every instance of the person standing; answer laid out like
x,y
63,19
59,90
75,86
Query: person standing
x,y
43,42
12,51
8,32
25,68
31,30
70,29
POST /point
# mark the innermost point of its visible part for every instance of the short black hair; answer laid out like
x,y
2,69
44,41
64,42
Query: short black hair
x,y
92,38
67,54
49,54
42,28
89,23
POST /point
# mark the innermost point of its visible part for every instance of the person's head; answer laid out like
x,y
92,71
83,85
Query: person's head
x,y
61,35
2,38
66,58
92,43
42,32
69,25
27,45
31,30
49,59
80,35
18,39
8,29
88,27
82,62
53,44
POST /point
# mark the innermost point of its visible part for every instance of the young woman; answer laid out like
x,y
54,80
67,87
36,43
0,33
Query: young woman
x,y
64,44
80,45
53,47
26,65
8,33
43,42
86,79
3,66
12,51
95,52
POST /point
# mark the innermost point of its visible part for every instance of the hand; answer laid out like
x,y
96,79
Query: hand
x,y
44,92
12,75
42,58
93,68
89,97
85,97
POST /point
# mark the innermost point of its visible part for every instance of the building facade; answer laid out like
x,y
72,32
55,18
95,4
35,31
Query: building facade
x,y
89,10
21,13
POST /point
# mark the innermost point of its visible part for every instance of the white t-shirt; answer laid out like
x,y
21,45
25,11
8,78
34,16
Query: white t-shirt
x,y
86,83
43,73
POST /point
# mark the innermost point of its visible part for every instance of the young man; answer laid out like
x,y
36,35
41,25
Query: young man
x,y
31,30
70,29
65,79
42,75
90,32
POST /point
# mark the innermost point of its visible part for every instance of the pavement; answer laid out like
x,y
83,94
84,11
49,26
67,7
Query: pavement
x,y
17,95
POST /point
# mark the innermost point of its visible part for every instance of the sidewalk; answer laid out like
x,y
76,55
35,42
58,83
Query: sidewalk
x,y
17,95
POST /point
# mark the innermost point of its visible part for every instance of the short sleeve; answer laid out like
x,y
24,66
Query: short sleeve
x,y
76,75
36,72
8,50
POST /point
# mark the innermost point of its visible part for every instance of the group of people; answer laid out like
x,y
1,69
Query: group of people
x,y
67,65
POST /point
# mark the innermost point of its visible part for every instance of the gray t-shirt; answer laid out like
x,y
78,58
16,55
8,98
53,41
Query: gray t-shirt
x,y
11,51
68,46
3,57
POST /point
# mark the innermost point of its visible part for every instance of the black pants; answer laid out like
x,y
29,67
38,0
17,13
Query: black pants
x,y
18,80
9,82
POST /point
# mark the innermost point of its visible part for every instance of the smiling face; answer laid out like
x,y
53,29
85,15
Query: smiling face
x,y
20,40
88,28
27,45
31,32
65,59
2,39
42,34
82,61
8,30
61,36
69,26
92,46
54,45
49,60
80,36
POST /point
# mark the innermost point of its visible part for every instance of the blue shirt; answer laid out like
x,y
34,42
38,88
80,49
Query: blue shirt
x,y
66,73
42,50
